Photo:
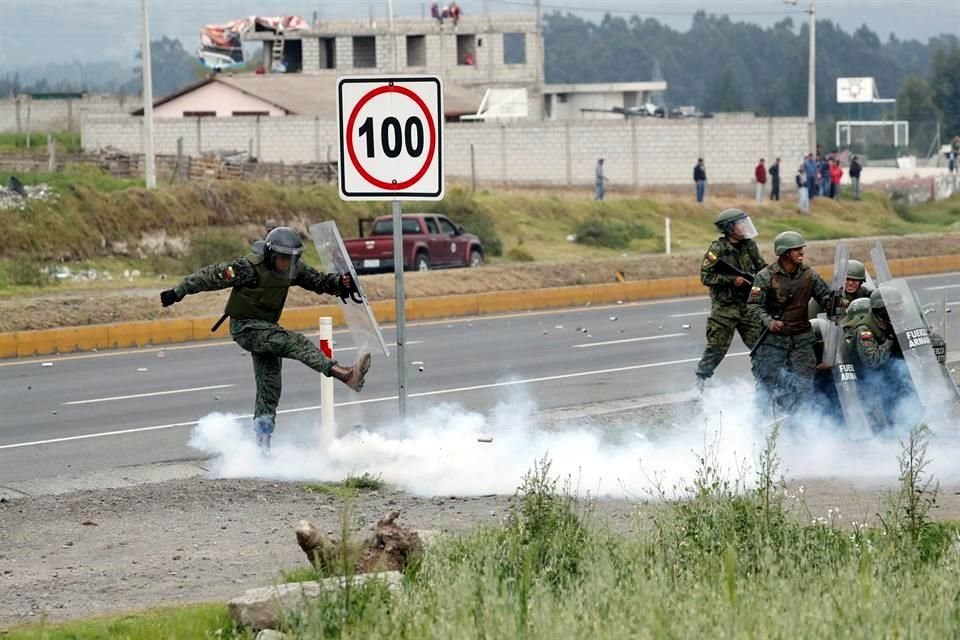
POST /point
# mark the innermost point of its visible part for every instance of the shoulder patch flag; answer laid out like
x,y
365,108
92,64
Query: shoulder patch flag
x,y
229,273
866,334
709,259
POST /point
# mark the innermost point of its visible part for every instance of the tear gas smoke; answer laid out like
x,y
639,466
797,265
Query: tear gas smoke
x,y
436,452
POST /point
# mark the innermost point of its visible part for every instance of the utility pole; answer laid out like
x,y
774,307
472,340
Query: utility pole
x,y
812,79
536,3
151,176
393,38
811,75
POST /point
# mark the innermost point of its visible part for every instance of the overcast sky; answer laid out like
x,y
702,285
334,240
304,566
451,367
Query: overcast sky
x,y
36,32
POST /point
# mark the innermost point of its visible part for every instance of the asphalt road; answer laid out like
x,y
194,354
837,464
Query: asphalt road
x,y
88,412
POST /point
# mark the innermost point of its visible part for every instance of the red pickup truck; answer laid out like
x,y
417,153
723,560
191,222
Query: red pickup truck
x,y
430,241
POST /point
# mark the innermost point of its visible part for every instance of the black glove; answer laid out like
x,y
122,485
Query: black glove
x,y
347,290
169,297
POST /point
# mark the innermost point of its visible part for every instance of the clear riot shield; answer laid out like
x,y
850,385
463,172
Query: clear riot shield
x,y
845,379
935,313
356,310
934,387
880,265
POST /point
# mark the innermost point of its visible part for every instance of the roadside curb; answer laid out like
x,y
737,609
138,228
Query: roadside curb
x,y
169,331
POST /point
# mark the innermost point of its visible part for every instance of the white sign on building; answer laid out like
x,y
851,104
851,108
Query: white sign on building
x,y
856,90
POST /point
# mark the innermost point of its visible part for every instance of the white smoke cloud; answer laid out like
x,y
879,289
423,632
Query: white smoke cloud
x,y
437,452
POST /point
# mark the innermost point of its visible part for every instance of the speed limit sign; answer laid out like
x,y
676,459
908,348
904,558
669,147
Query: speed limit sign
x,y
391,137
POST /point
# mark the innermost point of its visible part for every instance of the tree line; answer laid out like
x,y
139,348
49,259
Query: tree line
x,y
722,65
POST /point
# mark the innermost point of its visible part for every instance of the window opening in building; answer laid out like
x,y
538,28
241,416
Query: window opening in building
x,y
328,55
416,51
514,48
199,114
467,49
364,52
251,113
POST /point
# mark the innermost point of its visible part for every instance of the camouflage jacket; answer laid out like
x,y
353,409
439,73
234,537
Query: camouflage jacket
x,y
242,273
875,347
744,255
778,295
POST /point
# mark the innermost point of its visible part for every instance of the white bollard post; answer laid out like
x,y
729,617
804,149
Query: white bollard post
x,y
666,241
328,429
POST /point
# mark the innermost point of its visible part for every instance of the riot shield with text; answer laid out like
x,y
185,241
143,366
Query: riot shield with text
x,y
845,380
932,382
356,309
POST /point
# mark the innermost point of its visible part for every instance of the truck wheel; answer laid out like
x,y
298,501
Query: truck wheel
x,y
476,258
422,262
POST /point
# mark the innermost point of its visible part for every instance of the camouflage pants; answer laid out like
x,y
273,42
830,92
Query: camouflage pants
x,y
721,325
783,367
268,343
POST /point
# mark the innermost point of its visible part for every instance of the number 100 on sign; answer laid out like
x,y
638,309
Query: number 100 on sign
x,y
391,137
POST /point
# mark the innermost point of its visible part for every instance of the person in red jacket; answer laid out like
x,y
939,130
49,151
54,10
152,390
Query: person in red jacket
x,y
760,175
836,174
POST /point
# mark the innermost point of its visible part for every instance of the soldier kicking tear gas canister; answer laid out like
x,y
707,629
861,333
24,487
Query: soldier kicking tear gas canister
x,y
260,283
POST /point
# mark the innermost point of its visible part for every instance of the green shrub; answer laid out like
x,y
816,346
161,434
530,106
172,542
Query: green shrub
x,y
596,231
460,206
519,253
215,246
26,272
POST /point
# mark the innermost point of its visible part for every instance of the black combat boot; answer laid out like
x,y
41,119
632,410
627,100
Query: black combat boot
x,y
353,376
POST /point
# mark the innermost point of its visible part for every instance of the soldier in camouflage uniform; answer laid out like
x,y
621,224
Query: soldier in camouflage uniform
x,y
260,282
784,363
854,288
729,291
885,381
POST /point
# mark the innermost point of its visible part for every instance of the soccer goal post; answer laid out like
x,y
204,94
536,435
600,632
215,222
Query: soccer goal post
x,y
895,133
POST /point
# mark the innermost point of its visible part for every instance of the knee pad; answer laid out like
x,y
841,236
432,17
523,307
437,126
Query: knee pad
x,y
263,424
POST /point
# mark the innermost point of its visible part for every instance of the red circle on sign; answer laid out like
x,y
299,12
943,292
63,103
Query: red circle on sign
x,y
392,186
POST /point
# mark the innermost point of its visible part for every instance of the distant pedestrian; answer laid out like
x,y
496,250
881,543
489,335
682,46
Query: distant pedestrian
x,y
824,171
775,180
836,175
810,171
601,181
435,13
855,170
803,191
760,176
700,179
455,14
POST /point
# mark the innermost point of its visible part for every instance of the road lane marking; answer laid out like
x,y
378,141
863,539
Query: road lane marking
x,y
942,287
689,315
422,394
587,345
150,394
174,347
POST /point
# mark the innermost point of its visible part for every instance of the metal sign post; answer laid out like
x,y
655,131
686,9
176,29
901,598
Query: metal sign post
x,y
391,147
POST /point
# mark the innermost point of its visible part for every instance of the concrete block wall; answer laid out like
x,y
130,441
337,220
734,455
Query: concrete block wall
x,y
637,153
20,114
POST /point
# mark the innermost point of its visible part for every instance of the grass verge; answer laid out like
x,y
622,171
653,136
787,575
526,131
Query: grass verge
x,y
724,558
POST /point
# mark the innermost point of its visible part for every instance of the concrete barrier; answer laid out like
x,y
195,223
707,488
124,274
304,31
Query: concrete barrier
x,y
168,331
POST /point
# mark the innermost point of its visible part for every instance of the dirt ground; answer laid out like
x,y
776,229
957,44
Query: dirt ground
x,y
64,308
198,540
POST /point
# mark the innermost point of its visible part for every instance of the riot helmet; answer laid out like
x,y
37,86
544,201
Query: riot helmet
x,y
856,270
858,312
735,224
881,300
282,250
787,240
